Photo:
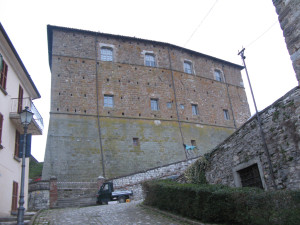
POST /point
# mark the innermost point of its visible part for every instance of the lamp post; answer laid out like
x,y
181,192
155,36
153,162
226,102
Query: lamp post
x,y
26,117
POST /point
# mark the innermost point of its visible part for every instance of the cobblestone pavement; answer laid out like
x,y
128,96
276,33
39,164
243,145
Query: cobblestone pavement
x,y
114,214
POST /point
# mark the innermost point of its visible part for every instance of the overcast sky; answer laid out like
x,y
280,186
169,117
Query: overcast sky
x,y
217,28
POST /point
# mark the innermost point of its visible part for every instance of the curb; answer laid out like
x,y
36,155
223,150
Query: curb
x,y
189,221
35,215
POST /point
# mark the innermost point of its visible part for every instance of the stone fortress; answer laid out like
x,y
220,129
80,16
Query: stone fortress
x,y
121,105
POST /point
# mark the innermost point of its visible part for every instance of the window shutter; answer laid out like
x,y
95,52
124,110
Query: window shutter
x,y
1,62
20,99
17,143
28,146
3,76
1,127
14,203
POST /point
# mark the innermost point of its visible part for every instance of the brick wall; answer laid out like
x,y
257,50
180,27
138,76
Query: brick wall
x,y
80,81
281,126
289,17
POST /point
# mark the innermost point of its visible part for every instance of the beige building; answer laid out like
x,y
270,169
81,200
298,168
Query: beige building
x,y
17,91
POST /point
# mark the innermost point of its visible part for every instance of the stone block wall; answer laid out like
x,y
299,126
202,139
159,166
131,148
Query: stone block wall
x,y
86,139
244,148
53,194
134,182
38,195
289,17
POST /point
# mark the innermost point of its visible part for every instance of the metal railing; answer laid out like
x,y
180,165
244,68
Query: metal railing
x,y
27,102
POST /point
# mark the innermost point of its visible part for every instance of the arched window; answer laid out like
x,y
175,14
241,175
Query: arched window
x,y
150,60
106,54
219,76
188,67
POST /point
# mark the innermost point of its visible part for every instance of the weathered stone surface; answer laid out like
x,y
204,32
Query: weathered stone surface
x,y
281,126
80,124
289,17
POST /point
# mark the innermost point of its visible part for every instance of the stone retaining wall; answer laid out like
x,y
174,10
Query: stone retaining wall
x,y
133,182
38,196
244,148
52,194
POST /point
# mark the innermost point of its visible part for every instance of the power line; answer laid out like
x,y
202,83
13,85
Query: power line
x,y
252,42
201,23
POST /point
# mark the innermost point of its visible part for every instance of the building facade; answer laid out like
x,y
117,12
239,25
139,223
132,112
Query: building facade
x,y
17,91
120,105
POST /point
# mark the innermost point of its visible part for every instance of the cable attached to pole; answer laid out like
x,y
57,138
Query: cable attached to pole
x,y
241,53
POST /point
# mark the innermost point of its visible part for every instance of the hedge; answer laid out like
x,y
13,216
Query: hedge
x,y
222,204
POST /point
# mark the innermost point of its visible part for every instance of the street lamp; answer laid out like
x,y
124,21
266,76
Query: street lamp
x,y
26,117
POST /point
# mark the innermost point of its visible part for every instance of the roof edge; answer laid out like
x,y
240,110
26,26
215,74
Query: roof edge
x,y
19,59
50,29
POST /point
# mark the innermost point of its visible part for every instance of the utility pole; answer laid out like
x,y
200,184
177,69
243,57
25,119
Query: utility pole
x,y
241,53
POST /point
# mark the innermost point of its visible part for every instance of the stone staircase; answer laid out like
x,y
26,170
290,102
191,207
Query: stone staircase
x,y
12,220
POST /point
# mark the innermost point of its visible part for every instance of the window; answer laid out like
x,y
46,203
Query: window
x,y
193,143
135,141
17,143
14,202
3,75
154,104
106,54
250,177
218,75
150,60
20,99
1,128
105,187
187,67
169,105
181,106
195,109
226,114
109,101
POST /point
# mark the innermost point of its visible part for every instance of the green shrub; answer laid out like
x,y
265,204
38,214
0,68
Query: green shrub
x,y
195,173
222,204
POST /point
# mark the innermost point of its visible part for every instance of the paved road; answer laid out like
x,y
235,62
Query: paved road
x,y
116,214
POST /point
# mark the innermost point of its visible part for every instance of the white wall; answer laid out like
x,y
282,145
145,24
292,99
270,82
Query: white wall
x,y
10,168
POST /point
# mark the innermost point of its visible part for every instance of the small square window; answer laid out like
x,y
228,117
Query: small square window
x,y
193,143
150,60
195,109
154,104
169,105
135,141
187,67
109,101
226,114
218,75
181,106
106,54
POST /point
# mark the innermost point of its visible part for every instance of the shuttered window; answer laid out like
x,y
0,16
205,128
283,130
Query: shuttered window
x,y
20,99
17,143
14,203
3,77
1,127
